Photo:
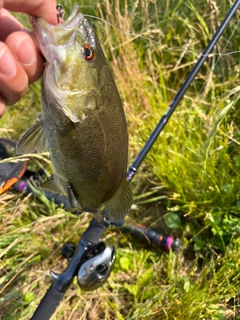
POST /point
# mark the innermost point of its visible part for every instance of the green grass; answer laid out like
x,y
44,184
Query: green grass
x,y
188,186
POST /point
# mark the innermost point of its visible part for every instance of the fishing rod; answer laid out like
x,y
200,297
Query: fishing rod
x,y
178,97
92,261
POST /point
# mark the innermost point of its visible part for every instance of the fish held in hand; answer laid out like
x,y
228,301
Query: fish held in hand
x,y
83,122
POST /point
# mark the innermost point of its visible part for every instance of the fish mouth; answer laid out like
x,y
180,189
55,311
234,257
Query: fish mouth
x,y
63,32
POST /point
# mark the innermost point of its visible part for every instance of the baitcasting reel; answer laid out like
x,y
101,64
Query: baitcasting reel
x,y
96,265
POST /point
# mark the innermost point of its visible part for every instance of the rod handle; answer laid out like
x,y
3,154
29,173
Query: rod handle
x,y
48,304
152,237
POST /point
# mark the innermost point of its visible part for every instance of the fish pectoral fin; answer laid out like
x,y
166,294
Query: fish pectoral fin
x,y
33,141
117,207
51,185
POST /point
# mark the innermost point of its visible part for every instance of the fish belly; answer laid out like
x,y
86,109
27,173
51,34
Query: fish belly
x,y
91,156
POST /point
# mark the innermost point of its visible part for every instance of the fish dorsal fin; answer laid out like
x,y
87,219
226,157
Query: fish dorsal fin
x,y
51,185
117,207
33,141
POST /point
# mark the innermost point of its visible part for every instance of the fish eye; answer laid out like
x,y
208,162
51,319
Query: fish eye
x,y
88,52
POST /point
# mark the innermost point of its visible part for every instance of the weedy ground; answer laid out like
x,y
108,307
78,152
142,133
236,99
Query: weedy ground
x,y
188,186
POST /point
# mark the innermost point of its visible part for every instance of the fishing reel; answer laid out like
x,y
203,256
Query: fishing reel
x,y
96,264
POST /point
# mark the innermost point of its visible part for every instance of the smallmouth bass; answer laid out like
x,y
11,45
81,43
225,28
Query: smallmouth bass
x,y
83,123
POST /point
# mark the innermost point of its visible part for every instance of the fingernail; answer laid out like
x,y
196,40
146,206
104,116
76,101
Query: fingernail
x,y
25,53
7,63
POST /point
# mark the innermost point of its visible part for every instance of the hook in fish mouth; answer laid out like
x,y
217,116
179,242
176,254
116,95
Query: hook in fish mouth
x,y
62,32
60,14
76,20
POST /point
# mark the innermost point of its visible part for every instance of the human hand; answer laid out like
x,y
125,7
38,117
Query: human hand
x,y
21,62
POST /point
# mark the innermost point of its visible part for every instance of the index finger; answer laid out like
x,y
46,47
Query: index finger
x,y
45,9
8,24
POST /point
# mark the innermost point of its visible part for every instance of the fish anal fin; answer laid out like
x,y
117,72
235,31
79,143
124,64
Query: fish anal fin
x,y
118,206
51,185
33,141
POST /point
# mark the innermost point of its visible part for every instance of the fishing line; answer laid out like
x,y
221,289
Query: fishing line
x,y
220,55
135,35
